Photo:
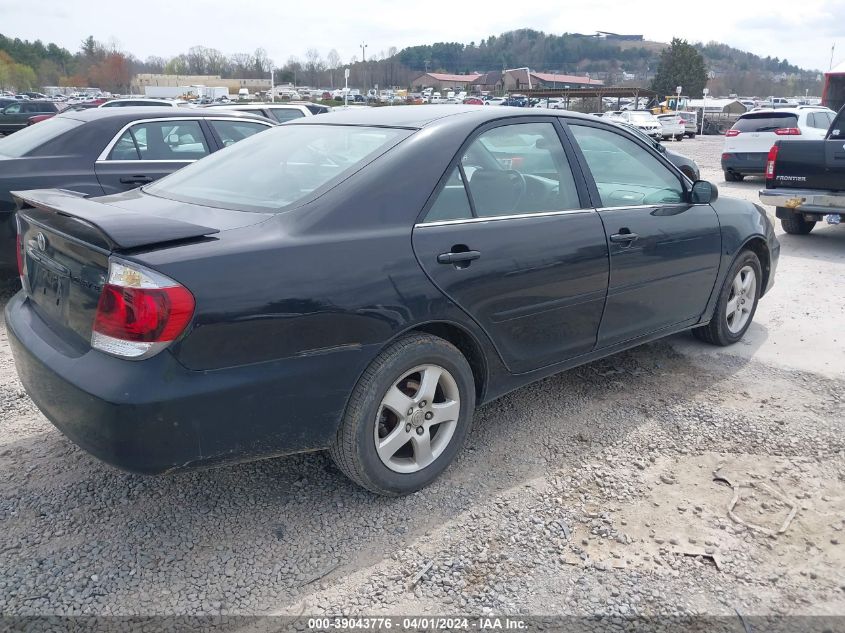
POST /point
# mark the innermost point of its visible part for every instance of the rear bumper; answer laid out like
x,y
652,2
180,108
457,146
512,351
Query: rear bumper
x,y
155,416
805,200
744,163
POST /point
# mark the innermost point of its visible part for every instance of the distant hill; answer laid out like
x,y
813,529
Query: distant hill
x,y
615,61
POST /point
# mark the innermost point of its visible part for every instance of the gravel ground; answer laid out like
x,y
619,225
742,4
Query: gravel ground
x,y
604,490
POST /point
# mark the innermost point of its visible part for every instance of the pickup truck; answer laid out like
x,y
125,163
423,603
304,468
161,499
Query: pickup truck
x,y
805,180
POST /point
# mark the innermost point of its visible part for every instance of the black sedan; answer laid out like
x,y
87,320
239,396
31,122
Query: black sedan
x,y
360,281
108,150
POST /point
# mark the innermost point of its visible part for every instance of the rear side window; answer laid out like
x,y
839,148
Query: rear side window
x,y
161,140
820,120
34,136
765,122
230,132
286,114
509,170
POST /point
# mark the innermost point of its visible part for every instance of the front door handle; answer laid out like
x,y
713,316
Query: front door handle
x,y
136,180
624,237
457,258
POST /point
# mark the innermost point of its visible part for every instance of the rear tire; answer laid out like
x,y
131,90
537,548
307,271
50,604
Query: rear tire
x,y
795,224
397,379
736,306
730,176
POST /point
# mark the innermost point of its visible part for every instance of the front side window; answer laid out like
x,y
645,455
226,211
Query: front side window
x,y
625,173
276,169
509,170
820,120
15,108
161,140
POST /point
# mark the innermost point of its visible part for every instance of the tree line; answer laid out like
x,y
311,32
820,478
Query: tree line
x,y
28,65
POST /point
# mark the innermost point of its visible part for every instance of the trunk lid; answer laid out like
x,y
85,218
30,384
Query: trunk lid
x,y
810,165
66,240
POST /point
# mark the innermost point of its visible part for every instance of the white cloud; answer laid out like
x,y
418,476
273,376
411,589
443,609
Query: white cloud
x,y
780,28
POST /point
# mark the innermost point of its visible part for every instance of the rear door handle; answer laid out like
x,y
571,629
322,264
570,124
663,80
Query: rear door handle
x,y
623,238
454,258
136,180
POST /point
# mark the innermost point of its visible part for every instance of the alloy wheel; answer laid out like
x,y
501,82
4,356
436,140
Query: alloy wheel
x,y
417,418
741,299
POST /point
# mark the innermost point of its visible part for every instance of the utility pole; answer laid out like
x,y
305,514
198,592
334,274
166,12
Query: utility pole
x,y
363,60
272,88
832,50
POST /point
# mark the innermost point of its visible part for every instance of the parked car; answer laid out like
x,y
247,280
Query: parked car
x,y
136,102
333,284
495,101
672,126
686,165
473,101
38,118
279,112
690,122
642,119
806,181
749,140
15,115
108,150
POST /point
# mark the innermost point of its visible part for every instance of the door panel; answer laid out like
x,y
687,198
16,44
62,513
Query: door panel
x,y
665,275
514,247
664,251
537,288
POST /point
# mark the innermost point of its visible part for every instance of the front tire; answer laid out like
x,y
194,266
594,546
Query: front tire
x,y
737,302
407,418
795,224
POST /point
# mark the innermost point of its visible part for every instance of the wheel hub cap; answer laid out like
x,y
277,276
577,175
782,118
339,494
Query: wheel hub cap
x,y
741,299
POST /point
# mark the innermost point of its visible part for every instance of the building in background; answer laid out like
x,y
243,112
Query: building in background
x,y
142,81
443,81
518,79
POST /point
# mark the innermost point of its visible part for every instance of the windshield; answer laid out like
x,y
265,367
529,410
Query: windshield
x,y
278,168
641,115
34,136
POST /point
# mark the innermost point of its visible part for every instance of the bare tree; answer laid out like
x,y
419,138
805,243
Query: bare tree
x,y
333,62
314,65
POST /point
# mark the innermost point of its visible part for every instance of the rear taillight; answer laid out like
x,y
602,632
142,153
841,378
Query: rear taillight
x,y
770,162
732,133
788,131
140,312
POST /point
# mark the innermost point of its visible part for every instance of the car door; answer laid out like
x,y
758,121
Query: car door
x,y
664,251
13,117
146,150
510,238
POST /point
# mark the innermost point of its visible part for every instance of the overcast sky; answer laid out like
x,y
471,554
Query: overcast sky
x,y
803,32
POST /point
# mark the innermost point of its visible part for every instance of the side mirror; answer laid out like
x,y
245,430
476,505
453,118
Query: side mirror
x,y
703,192
660,147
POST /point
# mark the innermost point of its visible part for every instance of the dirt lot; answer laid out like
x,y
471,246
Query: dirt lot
x,y
676,478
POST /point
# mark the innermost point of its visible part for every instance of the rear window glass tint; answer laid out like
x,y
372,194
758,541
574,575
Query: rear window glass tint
x,y
768,122
34,136
278,168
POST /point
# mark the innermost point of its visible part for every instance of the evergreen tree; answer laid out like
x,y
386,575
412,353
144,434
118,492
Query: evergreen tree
x,y
680,65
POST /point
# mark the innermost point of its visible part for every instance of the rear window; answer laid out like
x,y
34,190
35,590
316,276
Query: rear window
x,y
278,168
765,122
34,136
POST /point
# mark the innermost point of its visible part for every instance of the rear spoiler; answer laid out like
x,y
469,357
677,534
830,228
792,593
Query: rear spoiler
x,y
121,230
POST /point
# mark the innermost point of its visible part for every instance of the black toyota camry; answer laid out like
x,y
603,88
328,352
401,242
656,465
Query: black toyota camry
x,y
361,281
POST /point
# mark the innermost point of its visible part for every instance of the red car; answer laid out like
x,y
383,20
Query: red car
x,y
473,101
38,118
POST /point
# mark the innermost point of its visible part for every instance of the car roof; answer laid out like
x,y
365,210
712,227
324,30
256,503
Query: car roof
x,y
150,112
255,104
419,116
794,110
